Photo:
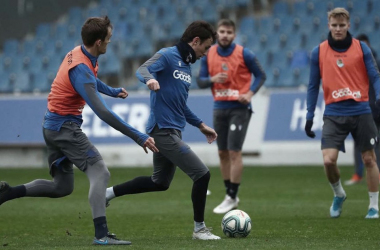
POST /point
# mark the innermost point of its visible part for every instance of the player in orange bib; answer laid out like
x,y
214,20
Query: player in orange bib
x,y
228,70
346,67
75,85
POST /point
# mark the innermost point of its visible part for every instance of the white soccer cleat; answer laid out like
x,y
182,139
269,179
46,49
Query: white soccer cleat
x,y
227,205
205,234
208,192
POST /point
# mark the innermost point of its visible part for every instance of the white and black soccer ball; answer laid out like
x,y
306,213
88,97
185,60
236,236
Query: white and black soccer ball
x,y
236,224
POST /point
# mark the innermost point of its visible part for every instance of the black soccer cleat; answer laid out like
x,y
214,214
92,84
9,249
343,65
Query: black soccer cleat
x,y
4,189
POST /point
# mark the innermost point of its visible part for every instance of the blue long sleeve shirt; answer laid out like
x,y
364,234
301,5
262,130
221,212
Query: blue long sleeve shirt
x,y
168,105
250,60
347,107
89,88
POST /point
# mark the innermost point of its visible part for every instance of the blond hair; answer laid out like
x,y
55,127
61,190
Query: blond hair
x,y
338,12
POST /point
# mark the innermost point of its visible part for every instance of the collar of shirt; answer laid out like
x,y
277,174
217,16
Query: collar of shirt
x,y
91,57
227,51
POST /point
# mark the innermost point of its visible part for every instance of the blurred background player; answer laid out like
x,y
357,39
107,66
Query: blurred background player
x,y
347,68
75,85
168,75
359,165
228,70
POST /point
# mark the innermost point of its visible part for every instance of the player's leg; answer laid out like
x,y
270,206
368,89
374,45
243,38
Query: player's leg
x,y
359,167
61,185
60,168
335,131
159,181
221,126
82,153
377,146
181,155
161,178
366,135
239,122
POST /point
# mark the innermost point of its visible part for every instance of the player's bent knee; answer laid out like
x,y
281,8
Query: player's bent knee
x,y
369,161
62,191
205,178
329,163
162,187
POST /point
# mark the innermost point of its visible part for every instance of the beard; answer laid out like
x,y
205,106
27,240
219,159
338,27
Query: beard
x,y
226,45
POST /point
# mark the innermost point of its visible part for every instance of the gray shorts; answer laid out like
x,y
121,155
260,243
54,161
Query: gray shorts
x,y
174,152
69,146
336,129
231,126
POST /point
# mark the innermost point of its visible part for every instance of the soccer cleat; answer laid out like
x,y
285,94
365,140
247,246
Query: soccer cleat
x,y
205,234
110,239
355,179
336,207
4,188
208,192
372,214
227,204
108,203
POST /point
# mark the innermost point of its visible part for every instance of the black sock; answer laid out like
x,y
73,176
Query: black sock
x,y
198,196
140,184
13,193
234,188
227,184
101,228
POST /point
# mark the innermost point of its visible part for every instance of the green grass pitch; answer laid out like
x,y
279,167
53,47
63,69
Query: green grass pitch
x,y
289,208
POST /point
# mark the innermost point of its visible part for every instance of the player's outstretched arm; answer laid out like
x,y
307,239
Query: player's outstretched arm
x,y
210,133
123,93
85,84
107,90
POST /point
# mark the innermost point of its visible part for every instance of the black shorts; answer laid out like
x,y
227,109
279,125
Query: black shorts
x,y
69,146
336,129
231,126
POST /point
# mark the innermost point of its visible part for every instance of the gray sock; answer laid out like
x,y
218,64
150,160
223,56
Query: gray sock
x,y
198,226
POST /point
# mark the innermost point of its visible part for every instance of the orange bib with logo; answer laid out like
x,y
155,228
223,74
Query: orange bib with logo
x,y
344,75
63,99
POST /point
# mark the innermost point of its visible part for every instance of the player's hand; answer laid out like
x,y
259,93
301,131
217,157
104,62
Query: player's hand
x,y
309,124
123,94
210,133
149,143
153,85
219,78
245,98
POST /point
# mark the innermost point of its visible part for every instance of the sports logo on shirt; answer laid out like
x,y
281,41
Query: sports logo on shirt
x,y
340,63
226,93
177,74
224,67
345,92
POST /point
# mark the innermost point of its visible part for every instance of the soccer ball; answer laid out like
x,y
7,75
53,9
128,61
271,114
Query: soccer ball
x,y
236,224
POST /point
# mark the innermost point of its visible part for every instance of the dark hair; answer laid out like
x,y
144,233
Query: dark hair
x,y
200,29
226,22
362,37
95,28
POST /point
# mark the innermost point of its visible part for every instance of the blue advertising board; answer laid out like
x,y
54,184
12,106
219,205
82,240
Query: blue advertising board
x,y
22,118
287,117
